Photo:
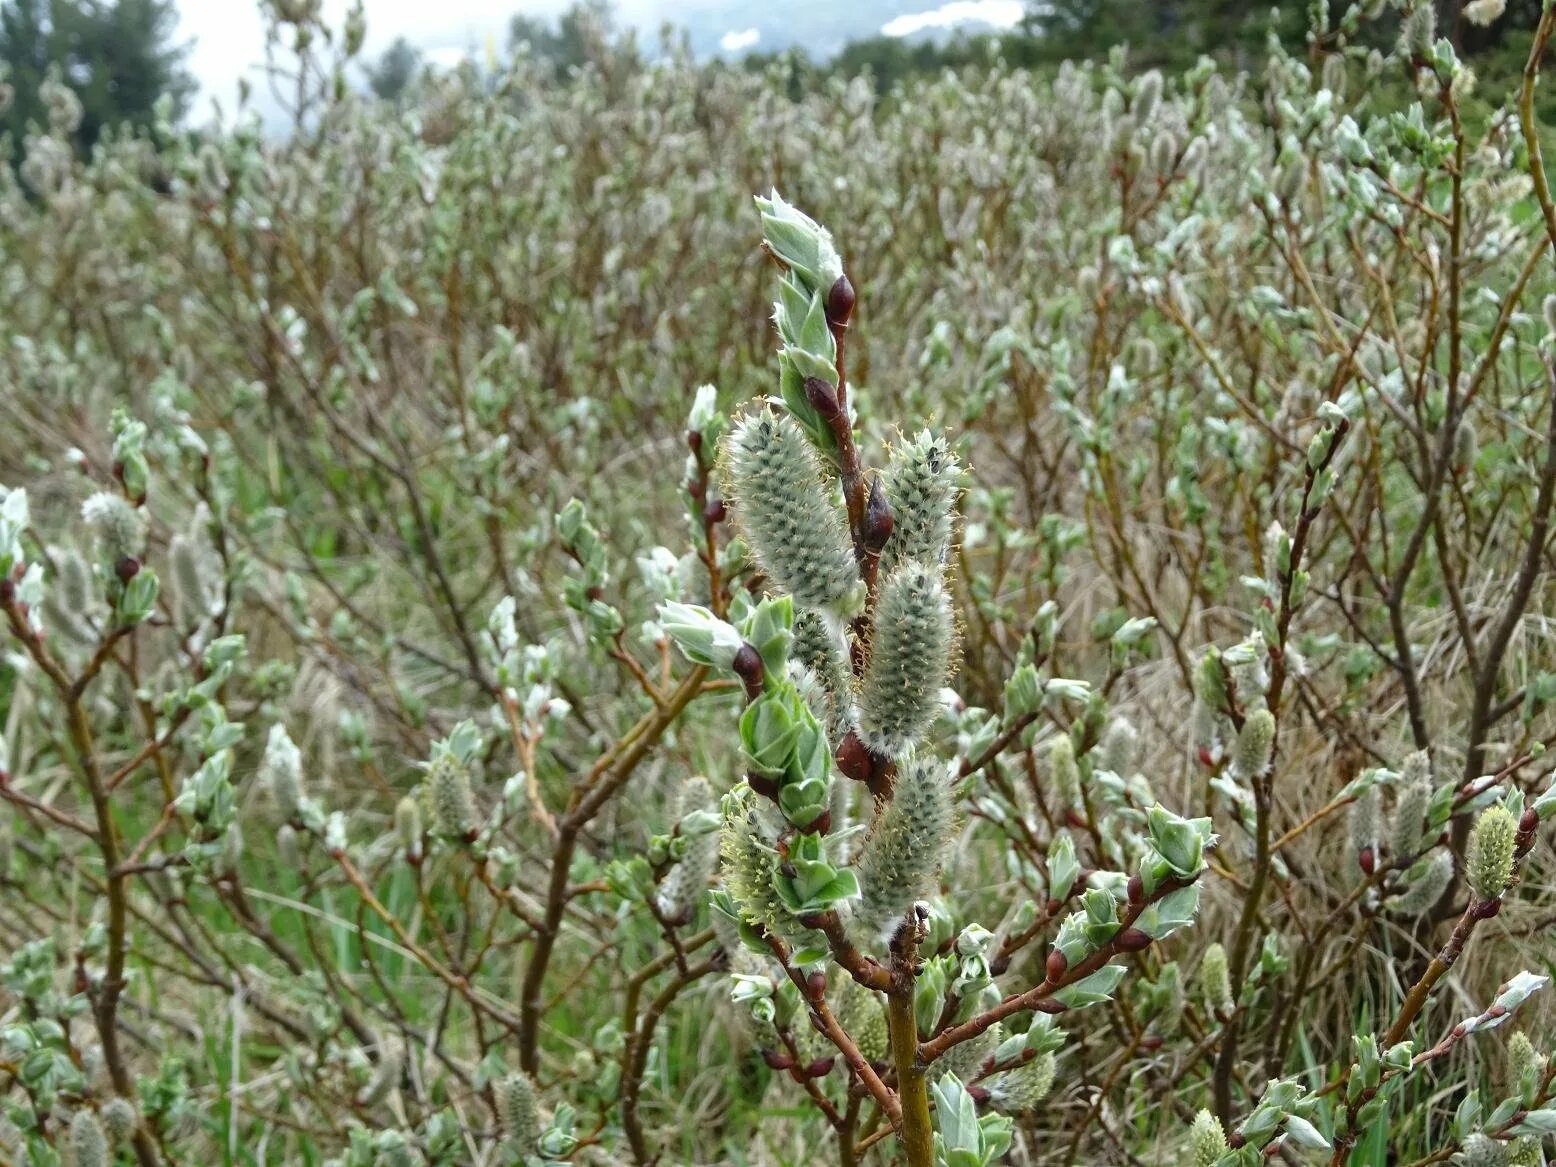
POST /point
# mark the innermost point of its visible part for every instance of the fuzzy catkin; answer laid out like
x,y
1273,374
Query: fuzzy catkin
x,y
1480,1150
1426,888
1488,860
1207,1141
518,1112
862,1013
407,826
900,861
910,660
920,482
820,650
1407,835
282,771
453,803
796,531
1063,771
682,889
1364,821
1120,747
88,1143
118,526
966,1059
1024,1087
747,860
1255,744
1215,981
119,1119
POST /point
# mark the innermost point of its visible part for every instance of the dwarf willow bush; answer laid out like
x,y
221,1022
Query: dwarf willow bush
x,y
1085,701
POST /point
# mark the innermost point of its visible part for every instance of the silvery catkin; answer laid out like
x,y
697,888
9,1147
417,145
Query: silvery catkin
x,y
910,659
793,526
920,482
900,860
1408,834
684,885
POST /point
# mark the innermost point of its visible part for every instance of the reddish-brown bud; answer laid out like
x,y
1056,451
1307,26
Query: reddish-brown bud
x,y
694,440
749,668
840,302
816,985
714,510
1133,940
1056,965
127,568
1136,888
879,522
821,1067
777,1059
823,398
853,758
1368,860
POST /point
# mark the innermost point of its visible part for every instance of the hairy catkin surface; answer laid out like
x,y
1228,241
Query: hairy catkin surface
x,y
795,529
910,659
901,859
920,482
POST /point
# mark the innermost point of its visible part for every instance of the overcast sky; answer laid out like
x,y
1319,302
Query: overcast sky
x,y
226,37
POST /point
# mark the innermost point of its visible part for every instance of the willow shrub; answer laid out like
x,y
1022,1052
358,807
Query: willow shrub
x,y
1084,701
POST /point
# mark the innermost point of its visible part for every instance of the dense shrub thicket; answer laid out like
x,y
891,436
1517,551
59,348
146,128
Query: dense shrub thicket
x,y
1085,702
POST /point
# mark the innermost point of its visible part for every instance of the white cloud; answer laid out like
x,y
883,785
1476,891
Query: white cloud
x,y
999,13
735,42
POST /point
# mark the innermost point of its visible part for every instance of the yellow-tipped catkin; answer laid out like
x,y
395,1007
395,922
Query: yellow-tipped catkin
x,y
920,483
899,863
453,803
88,1143
1215,981
747,861
788,515
863,1014
1207,1141
910,660
1022,1088
1488,861
1523,1059
518,1112
1255,744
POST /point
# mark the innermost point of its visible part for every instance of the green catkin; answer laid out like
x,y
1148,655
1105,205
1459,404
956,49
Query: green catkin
x,y
1207,1141
119,1119
453,803
910,660
1525,1152
1407,835
921,483
795,529
1423,892
407,827
1019,1090
863,1014
686,883
1120,747
1215,981
1488,860
820,650
1255,744
746,860
1164,152
1480,1150
88,1143
1333,74
899,863
518,1112
966,1059
1064,773
1148,92
1525,1064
